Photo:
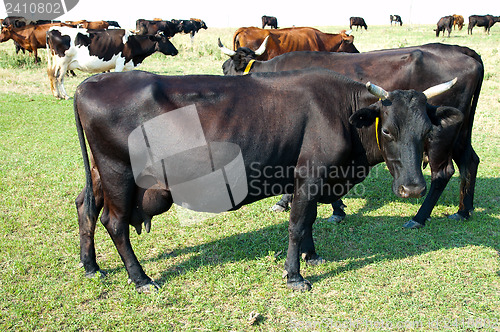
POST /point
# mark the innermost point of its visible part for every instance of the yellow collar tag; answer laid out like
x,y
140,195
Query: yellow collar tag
x,y
249,66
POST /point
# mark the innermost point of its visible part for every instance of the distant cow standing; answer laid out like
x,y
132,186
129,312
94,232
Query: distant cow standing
x,y
95,51
396,19
29,37
270,21
444,23
458,20
286,40
191,26
486,21
151,27
358,22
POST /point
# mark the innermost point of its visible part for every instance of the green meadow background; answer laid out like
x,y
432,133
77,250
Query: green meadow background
x,y
224,273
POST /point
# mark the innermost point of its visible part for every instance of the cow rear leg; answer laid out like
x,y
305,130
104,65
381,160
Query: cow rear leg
x,y
116,223
467,165
87,219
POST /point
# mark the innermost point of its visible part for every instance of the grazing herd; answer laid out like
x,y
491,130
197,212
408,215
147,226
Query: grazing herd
x,y
445,23
293,98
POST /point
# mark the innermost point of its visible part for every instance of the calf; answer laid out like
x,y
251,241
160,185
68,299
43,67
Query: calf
x,y
96,51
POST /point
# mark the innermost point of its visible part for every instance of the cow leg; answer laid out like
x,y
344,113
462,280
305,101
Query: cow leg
x,y
468,163
87,219
440,179
116,223
60,73
338,213
302,217
283,204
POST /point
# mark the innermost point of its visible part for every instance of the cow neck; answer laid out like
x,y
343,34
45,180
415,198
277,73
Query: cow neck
x,y
249,67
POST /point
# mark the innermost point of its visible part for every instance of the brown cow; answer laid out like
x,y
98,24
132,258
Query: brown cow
x,y
30,37
286,40
458,20
98,25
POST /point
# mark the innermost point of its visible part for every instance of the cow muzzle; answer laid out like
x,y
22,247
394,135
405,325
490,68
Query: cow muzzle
x,y
410,191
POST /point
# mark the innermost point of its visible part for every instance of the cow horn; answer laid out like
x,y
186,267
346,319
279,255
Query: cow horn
x,y
348,32
440,88
377,91
224,49
262,47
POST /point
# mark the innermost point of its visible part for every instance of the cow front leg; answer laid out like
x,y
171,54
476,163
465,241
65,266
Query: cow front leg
x,y
300,241
118,228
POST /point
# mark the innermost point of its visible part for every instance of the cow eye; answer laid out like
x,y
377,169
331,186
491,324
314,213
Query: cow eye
x,y
387,134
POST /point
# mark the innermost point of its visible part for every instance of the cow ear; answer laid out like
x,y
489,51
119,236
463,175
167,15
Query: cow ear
x,y
365,117
444,116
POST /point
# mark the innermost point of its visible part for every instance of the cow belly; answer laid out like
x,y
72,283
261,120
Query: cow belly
x,y
93,64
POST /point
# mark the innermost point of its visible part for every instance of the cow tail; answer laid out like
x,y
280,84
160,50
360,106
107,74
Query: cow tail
x,y
89,203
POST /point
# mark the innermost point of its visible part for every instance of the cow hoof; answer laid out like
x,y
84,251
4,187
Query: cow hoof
x,y
149,288
316,261
412,224
336,219
99,274
278,208
301,286
457,217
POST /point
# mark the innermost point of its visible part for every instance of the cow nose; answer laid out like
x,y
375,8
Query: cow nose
x,y
413,191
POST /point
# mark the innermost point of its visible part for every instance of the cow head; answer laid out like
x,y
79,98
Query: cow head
x,y
6,33
163,44
347,44
239,59
403,122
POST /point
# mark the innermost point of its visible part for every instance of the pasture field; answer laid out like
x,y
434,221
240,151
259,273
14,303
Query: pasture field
x,y
224,273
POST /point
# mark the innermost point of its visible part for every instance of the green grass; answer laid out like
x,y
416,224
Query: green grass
x,y
215,273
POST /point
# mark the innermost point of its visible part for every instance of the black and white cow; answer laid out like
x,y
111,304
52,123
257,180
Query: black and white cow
x,y
96,51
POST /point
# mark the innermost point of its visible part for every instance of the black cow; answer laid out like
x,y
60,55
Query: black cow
x,y
331,124
269,21
191,26
358,22
405,68
486,21
444,23
114,24
396,19
150,27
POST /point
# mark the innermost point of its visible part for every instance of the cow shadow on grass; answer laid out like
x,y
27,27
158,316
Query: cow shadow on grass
x,y
357,242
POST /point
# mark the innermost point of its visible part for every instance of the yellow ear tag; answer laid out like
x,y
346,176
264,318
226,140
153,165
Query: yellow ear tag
x,y
248,67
